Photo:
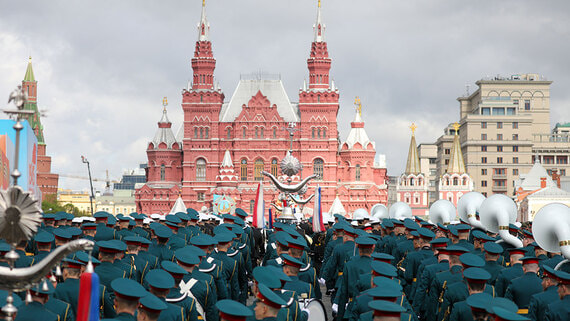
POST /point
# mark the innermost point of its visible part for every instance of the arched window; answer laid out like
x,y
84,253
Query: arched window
x,y
357,176
201,170
274,132
313,132
412,181
318,165
256,134
274,166
201,132
262,133
229,133
195,132
243,170
324,133
243,132
162,172
455,181
464,181
207,132
257,169
319,132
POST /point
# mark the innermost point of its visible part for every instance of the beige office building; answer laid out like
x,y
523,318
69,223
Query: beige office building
x,y
503,124
428,166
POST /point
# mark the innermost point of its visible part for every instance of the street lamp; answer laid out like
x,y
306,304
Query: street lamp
x,y
85,161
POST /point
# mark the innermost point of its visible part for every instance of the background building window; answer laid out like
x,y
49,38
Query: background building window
x,y
274,132
207,132
499,160
229,133
201,197
318,165
243,132
243,170
515,160
483,124
324,133
483,148
262,132
483,183
527,104
257,169
484,160
483,171
201,170
483,136
499,148
201,133
516,172
447,151
515,125
499,125
256,133
357,170
195,132
162,172
499,136
274,167
515,136
313,133
515,148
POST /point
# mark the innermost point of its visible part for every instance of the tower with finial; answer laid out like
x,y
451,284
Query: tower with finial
x,y
455,182
46,180
412,186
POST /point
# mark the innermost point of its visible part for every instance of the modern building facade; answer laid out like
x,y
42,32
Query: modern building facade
x,y
46,180
503,125
223,146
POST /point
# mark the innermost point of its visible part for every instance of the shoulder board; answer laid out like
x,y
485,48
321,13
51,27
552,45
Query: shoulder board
x,y
210,260
176,300
279,260
233,253
303,269
209,269
274,246
291,299
242,246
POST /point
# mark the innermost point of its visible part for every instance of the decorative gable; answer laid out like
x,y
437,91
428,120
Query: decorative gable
x,y
258,100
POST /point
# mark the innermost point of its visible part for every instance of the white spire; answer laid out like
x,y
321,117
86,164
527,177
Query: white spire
x,y
333,88
179,206
227,161
319,26
305,84
203,26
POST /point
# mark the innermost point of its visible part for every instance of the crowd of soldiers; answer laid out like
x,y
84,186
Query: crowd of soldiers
x,y
187,267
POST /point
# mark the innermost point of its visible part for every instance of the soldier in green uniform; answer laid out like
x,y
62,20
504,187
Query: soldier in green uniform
x,y
196,284
159,284
476,279
444,279
307,272
268,304
124,228
414,259
522,288
107,270
210,265
103,232
150,258
233,311
492,252
229,265
150,308
35,309
512,272
560,310
161,250
177,296
135,261
385,311
540,301
68,291
383,289
44,241
127,296
291,268
427,270
341,253
355,267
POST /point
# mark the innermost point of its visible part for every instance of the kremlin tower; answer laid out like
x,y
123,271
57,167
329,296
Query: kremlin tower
x,y
223,145
455,182
46,180
412,187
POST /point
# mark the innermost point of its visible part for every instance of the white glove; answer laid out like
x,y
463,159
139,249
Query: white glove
x,y
322,281
250,283
308,312
335,308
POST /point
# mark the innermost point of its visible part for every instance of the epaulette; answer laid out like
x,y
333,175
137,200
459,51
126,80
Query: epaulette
x,y
242,247
210,259
279,261
291,299
233,254
274,246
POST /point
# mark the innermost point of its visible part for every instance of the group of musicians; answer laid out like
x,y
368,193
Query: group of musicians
x,y
186,268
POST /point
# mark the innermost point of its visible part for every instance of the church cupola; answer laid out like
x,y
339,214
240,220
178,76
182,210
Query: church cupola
x,y
164,137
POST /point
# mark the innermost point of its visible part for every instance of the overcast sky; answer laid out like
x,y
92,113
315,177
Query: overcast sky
x,y
103,66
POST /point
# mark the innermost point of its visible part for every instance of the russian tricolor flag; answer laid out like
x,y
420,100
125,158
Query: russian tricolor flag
x,y
318,225
88,304
259,208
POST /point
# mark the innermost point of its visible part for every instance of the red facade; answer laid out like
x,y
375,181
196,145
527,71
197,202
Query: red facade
x,y
224,145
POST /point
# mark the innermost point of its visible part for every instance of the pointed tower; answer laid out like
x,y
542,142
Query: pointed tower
x,y
318,109
227,175
201,103
412,187
455,182
46,180
362,184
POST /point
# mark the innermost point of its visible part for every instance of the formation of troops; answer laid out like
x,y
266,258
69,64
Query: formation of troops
x,y
184,268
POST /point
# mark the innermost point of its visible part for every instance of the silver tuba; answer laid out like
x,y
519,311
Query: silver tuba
x,y
379,211
400,211
468,207
497,212
551,228
442,211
